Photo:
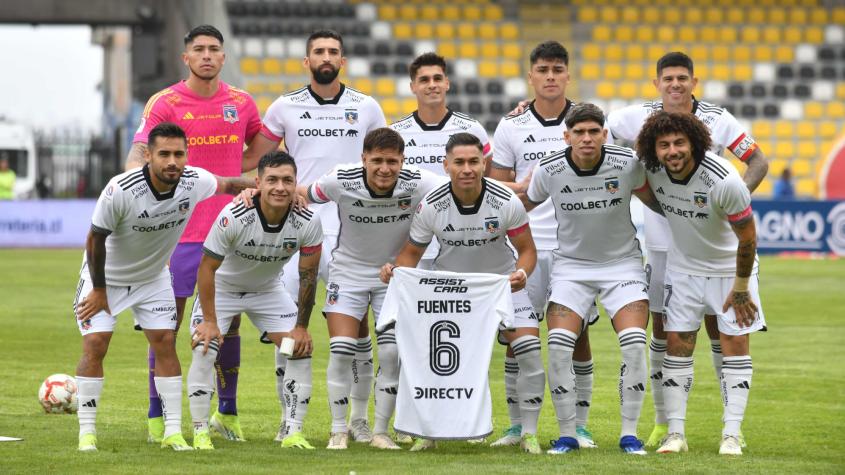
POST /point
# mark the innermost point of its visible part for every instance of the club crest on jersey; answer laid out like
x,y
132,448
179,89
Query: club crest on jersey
x,y
224,221
491,225
184,206
110,190
289,244
700,199
611,184
333,293
230,113
351,116
404,203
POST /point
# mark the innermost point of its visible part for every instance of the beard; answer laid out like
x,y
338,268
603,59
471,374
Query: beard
x,y
164,179
324,76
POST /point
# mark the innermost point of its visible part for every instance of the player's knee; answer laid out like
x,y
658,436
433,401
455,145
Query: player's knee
x,y
95,346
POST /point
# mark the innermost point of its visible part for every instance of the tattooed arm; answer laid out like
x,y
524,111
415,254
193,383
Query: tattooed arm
x,y
309,265
136,156
758,166
746,253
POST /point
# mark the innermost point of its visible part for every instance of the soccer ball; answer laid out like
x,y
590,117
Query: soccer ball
x,y
57,394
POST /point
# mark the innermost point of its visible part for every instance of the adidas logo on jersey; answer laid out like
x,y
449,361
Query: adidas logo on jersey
x,y
306,115
742,385
358,203
250,243
188,116
411,143
670,383
660,190
636,388
566,189
143,215
448,228
529,139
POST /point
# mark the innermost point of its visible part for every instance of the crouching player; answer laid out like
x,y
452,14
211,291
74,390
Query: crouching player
x,y
240,271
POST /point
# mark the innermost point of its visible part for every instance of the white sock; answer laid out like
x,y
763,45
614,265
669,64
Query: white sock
x,y
531,382
632,378
736,383
297,387
362,380
562,378
281,364
656,353
201,385
387,384
677,384
170,392
339,378
716,354
511,396
583,390
88,395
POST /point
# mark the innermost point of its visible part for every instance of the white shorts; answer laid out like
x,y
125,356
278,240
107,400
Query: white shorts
x,y
353,300
152,304
290,277
524,315
690,297
655,271
270,312
624,284
538,281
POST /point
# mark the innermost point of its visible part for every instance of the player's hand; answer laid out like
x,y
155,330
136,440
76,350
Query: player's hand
x,y
522,185
245,197
520,107
299,202
205,333
386,272
92,304
744,308
302,345
518,280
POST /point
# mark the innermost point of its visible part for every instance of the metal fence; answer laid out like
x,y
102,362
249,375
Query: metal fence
x,y
73,165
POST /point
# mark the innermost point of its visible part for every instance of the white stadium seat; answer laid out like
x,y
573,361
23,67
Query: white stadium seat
x,y
381,31
358,67
823,90
516,87
792,109
764,72
715,91
366,12
253,47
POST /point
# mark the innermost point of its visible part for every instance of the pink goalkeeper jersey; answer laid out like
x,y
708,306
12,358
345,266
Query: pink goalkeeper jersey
x,y
217,128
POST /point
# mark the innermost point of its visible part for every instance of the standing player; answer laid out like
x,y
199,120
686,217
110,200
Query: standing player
x,y
590,185
474,218
711,270
219,120
323,125
375,201
136,224
675,82
239,272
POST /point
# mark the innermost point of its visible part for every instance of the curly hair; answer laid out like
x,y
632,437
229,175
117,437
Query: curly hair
x,y
662,123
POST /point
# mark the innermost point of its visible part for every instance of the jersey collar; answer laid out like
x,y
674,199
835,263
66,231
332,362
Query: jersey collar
x,y
591,172
550,122
476,206
256,202
333,100
158,196
372,192
438,126
686,180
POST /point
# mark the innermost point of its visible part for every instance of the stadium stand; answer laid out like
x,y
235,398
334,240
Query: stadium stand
x,y
778,65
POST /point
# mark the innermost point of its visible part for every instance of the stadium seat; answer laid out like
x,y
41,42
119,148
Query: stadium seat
x,y
364,85
672,16
408,105
445,31
807,149
735,15
613,52
466,68
466,31
694,16
516,88
509,69
835,110
408,12
771,111
688,34
801,91
379,68
424,31
429,13
727,34
757,90
489,50
776,166
487,31
612,71
761,129
472,88
805,129
784,129
511,50
647,90
400,68
278,88
651,15
628,90
493,13
472,12
827,129
602,33
624,34
488,69
784,149
634,52
666,34
806,187
491,124
800,166
720,53
756,16
750,34
784,54
357,67
748,111
630,15
715,91
403,31
777,16
249,66
495,88
475,108
390,106
509,32
263,102
385,87
609,15
635,72
645,34
498,108
736,91
451,13
708,34
387,12
468,49
447,49
606,90
455,106
587,14
840,90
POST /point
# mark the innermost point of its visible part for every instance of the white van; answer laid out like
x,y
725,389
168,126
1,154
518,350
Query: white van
x,y
17,143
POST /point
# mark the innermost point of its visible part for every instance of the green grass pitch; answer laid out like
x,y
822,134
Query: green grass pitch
x,y
794,422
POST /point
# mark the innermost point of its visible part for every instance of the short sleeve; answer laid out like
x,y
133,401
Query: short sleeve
x,y
220,241
479,131
430,181
253,125
421,230
504,157
517,218
155,112
313,233
374,111
273,126
734,198
734,136
325,189
622,125
110,209
638,178
206,186
538,188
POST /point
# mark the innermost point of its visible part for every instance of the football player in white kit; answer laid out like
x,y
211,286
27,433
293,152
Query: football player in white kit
x,y
240,272
323,125
675,82
711,269
137,223
590,185
474,218
375,202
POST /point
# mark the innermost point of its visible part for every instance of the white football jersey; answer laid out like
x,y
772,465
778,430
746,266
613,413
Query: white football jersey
x,y
322,133
445,327
373,228
252,251
143,225
425,145
593,207
471,239
725,131
699,211
521,140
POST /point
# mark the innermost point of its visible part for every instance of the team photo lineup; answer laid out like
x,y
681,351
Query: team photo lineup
x,y
485,243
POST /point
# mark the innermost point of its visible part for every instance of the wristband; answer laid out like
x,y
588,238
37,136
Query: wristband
x,y
523,272
741,284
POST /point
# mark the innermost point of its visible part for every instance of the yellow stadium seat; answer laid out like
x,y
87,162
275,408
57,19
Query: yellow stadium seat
x,y
493,13
263,102
818,16
838,15
448,50
766,147
602,33
720,72
249,66
645,34
624,34
408,12
424,31
630,15
784,54
487,31
688,34
277,87
628,90
742,72
727,34
827,129
430,13
403,31
736,15
488,69
606,90
835,110
390,106
666,34
840,91
741,53
777,16
635,72
808,149
761,129
490,50
387,12
750,34
472,13
792,34
510,69
445,31
634,52
655,52
612,71
708,34
757,16
801,166
466,31
765,187
385,87
592,51
784,130
672,16
613,52
293,67
714,16
609,14
702,70
255,87
776,166
647,90
451,13
511,51
694,16
806,129
807,187
468,49
364,85
798,16
762,53
814,35
771,34
720,53
651,15
509,32
590,71
785,150
588,14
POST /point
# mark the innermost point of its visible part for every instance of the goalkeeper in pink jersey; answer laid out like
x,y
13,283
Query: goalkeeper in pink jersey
x,y
219,120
